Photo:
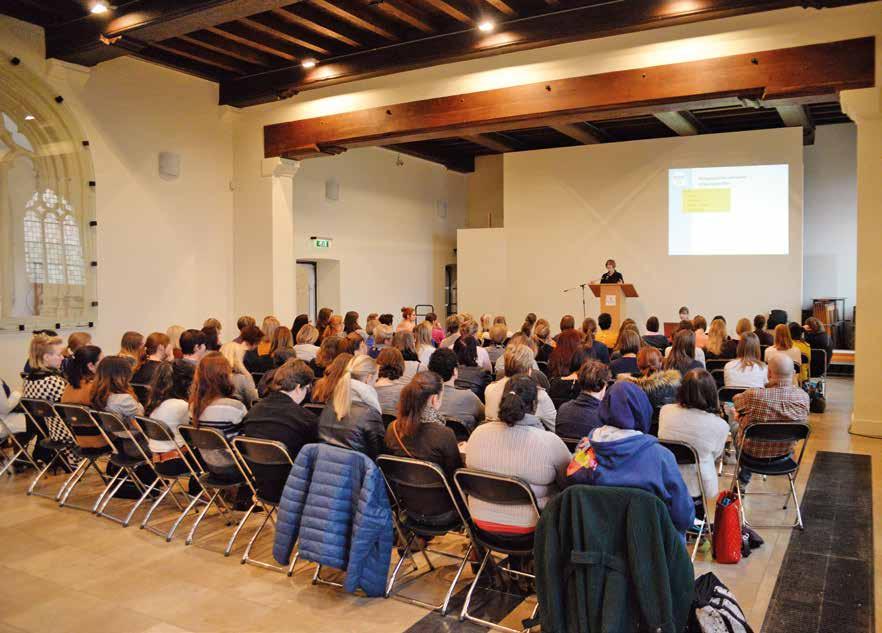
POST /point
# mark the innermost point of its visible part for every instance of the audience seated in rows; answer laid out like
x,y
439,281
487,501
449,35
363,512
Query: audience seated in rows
x,y
518,359
279,416
352,417
779,401
622,453
695,419
514,443
461,404
419,431
747,370
578,417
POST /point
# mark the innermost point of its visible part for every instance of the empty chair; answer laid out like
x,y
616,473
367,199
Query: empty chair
x,y
427,507
221,473
686,454
777,432
501,490
54,437
269,464
92,444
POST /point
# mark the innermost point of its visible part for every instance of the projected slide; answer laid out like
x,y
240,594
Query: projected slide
x,y
728,210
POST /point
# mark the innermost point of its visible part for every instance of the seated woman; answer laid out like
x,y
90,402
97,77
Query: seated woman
x,y
469,374
244,389
324,386
515,444
682,353
469,330
659,385
157,348
543,341
600,350
408,320
621,453
577,418
279,416
699,326
212,338
568,343
784,345
419,431
495,343
350,322
743,327
563,389
131,348
81,376
719,345
519,339
334,327
352,418
747,370
403,341
697,352
306,349
282,346
328,351
113,391
425,346
390,364
695,419
628,346
168,404
299,321
268,329
796,334
817,338
519,359
212,404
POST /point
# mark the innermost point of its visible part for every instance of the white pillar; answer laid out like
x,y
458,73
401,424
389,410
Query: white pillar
x,y
864,107
284,262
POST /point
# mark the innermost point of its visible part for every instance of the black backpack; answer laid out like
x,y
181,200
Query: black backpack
x,y
715,609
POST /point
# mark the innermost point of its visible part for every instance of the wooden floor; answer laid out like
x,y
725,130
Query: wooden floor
x,y
67,570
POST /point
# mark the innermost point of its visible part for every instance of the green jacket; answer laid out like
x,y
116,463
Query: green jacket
x,y
609,560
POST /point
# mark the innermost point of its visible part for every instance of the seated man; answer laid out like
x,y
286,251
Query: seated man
x,y
606,335
779,401
577,418
653,337
461,404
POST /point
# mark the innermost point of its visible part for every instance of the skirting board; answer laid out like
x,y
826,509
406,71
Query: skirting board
x,y
866,428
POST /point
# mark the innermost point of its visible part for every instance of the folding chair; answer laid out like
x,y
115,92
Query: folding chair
x,y
427,508
221,473
460,430
142,392
719,376
818,368
713,364
726,394
127,456
502,490
92,444
269,463
19,451
686,454
771,431
388,419
170,472
41,415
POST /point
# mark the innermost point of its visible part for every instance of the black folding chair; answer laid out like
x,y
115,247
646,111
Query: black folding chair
x,y
388,418
269,463
726,394
127,456
221,473
685,454
173,471
43,417
18,450
818,368
460,430
785,465
426,507
501,490
142,392
92,445
715,363
719,376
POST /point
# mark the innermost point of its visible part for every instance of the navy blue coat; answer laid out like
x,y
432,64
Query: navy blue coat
x,y
335,501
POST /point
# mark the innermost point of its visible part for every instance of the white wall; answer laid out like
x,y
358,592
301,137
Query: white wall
x,y
831,215
164,247
482,273
390,242
567,210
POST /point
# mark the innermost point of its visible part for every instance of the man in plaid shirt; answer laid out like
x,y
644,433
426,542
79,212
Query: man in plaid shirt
x,y
779,401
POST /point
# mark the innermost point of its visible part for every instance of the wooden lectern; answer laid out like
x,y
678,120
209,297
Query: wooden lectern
x,y
612,300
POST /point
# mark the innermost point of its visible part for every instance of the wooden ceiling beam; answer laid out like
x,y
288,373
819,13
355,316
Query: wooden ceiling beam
x,y
279,31
182,64
577,133
405,14
502,7
489,143
183,48
294,18
463,164
356,16
678,123
798,116
142,22
236,33
770,76
448,9
225,46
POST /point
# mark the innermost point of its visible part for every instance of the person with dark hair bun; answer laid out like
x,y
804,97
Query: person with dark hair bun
x,y
81,375
419,431
695,419
517,445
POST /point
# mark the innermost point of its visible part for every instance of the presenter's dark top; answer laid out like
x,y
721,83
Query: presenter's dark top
x,y
612,278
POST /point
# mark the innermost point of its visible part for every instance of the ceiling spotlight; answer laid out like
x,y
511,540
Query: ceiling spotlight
x,y
29,117
99,7
486,26
308,63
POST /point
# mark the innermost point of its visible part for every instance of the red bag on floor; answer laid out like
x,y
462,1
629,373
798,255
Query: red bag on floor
x,y
727,528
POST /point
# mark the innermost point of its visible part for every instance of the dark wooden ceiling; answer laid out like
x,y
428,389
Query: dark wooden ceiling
x,y
459,154
255,49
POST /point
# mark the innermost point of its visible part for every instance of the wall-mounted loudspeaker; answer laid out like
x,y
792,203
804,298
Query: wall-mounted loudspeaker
x,y
169,165
332,189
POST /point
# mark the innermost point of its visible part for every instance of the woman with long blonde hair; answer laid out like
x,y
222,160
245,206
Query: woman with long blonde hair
x,y
352,418
719,345
747,370
174,336
783,345
268,327
244,388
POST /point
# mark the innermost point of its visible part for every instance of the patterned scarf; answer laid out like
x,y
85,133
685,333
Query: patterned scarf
x,y
431,415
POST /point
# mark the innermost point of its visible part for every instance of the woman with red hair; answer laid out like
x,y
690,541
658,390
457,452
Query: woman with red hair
x,y
559,362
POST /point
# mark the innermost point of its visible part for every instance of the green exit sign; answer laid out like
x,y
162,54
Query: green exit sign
x,y
320,242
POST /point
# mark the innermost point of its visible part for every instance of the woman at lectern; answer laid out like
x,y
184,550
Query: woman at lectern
x,y
611,276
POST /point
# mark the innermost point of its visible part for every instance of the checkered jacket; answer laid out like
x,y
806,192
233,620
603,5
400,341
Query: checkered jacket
x,y
50,386
771,404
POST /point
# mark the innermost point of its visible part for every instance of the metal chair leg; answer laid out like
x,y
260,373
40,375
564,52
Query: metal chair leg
x,y
140,501
110,484
464,614
71,482
189,539
456,577
398,565
294,558
174,527
39,475
238,529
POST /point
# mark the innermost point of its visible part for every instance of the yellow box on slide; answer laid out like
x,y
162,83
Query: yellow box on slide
x,y
710,200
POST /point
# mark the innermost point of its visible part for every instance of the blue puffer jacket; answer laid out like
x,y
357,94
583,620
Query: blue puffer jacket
x,y
336,502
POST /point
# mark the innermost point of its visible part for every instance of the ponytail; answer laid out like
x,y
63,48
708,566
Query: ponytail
x,y
414,399
519,399
359,368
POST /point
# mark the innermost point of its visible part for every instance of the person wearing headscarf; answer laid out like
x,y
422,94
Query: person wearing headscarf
x,y
622,453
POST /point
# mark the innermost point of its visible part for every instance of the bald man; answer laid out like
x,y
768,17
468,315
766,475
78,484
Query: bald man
x,y
778,401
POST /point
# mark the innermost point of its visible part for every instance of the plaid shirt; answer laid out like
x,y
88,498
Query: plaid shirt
x,y
772,404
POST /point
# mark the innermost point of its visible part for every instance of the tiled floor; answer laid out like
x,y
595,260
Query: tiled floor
x,y
66,570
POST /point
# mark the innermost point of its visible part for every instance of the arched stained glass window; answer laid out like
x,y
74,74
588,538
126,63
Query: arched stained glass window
x,y
53,249
73,252
33,240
